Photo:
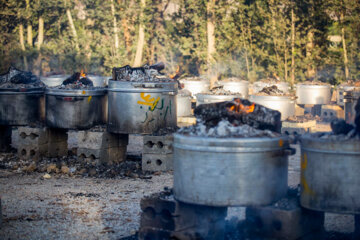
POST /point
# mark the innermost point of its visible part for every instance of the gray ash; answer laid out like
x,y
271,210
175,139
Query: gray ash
x,y
15,78
140,74
219,90
271,91
224,129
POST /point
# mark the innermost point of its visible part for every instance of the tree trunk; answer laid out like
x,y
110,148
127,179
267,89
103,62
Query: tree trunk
x,y
29,27
346,61
73,29
211,50
22,44
116,37
309,50
141,39
41,32
127,36
292,48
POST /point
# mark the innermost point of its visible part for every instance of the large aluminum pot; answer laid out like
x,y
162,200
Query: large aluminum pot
x,y
203,98
240,87
284,104
54,80
141,107
98,81
196,85
21,106
75,109
259,85
313,94
230,171
183,103
330,179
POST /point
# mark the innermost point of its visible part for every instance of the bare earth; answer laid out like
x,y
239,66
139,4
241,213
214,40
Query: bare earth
x,y
64,207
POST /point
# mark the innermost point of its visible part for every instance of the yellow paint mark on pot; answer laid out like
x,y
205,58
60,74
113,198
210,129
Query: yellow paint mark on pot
x,y
83,92
281,143
303,182
89,98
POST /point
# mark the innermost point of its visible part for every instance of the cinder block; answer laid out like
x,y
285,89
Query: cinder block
x,y
331,112
161,211
158,144
33,152
157,162
32,136
5,138
104,155
313,109
284,220
299,111
99,140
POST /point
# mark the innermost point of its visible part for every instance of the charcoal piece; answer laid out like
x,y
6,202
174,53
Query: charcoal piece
x,y
239,112
86,81
339,126
77,79
272,91
357,116
143,73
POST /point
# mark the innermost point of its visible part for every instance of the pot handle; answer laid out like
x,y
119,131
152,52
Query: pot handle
x,y
147,85
290,151
69,99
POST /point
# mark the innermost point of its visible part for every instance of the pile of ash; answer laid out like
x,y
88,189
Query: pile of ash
x,y
140,74
342,131
304,118
237,118
272,91
15,78
219,90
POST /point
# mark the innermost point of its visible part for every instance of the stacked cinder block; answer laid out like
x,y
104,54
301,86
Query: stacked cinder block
x,y
34,143
296,128
157,153
331,112
5,138
102,147
163,217
285,219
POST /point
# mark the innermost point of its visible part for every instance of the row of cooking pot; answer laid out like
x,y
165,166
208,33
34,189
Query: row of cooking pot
x,y
126,107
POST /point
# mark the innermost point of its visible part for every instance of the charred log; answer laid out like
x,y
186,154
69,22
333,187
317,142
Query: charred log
x,y
17,76
339,126
77,79
239,112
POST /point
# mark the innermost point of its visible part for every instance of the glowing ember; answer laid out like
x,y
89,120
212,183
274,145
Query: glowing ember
x,y
82,74
176,74
238,107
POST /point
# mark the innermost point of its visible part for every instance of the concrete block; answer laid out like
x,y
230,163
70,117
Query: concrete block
x,y
157,162
99,140
313,109
33,152
162,211
104,155
299,111
331,112
5,138
284,220
158,144
32,136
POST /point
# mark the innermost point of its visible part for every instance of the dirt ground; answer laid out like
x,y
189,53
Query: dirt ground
x,y
77,207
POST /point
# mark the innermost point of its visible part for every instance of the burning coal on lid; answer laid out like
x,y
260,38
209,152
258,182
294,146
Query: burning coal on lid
x,y
15,78
77,81
237,118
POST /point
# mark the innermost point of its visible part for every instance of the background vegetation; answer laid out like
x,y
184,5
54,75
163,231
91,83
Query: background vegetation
x,y
252,39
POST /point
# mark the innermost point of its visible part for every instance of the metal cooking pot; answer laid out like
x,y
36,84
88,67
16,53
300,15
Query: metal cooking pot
x,y
21,106
183,103
341,91
54,80
98,81
258,86
202,98
284,104
75,109
230,171
313,94
330,179
195,86
241,87
141,107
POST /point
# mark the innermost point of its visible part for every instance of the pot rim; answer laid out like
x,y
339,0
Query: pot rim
x,y
75,92
301,85
127,86
273,98
33,90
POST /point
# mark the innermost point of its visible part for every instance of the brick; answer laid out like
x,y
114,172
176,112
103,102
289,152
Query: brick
x,y
99,140
105,155
157,162
5,138
158,144
331,112
284,220
162,211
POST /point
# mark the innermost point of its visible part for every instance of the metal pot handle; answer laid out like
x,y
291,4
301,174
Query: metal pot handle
x,y
290,151
69,99
147,85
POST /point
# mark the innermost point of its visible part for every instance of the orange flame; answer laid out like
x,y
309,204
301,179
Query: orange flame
x,y
238,107
82,74
172,76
